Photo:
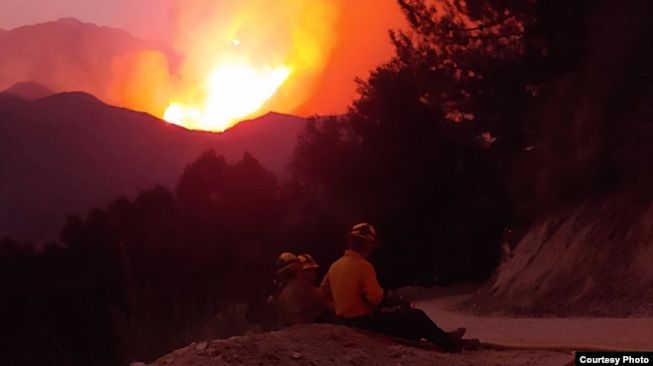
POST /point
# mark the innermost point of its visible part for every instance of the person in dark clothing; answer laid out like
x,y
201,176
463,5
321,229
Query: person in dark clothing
x,y
409,323
359,301
294,299
299,301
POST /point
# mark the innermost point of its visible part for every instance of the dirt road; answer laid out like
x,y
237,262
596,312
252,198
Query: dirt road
x,y
619,333
315,345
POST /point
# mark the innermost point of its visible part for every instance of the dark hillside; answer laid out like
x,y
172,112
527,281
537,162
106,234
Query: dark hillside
x,y
70,152
590,249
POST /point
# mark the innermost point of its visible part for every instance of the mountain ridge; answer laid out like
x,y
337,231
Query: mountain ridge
x,y
69,55
29,90
69,152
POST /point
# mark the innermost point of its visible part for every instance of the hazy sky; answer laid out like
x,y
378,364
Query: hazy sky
x,y
125,14
357,35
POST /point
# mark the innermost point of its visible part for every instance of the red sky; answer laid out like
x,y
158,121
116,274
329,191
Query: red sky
x,y
363,43
361,39
125,14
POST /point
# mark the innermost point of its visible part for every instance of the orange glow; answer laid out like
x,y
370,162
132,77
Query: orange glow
x,y
232,91
240,54
142,81
362,44
241,58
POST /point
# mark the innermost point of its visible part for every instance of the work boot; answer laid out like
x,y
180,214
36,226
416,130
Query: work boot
x,y
471,344
452,345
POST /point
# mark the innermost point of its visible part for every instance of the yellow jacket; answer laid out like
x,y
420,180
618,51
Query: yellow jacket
x,y
352,285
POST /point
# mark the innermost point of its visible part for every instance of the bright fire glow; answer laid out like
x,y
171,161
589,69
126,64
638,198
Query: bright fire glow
x,y
240,58
317,46
232,92
235,59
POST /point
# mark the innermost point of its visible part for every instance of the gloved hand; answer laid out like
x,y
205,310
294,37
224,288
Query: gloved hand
x,y
393,299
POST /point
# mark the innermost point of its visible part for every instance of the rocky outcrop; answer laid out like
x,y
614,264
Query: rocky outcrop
x,y
593,259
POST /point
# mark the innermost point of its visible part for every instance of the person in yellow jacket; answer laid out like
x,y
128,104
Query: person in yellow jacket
x,y
351,284
357,298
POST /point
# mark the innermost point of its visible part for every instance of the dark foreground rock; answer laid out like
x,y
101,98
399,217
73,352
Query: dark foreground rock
x,y
315,345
